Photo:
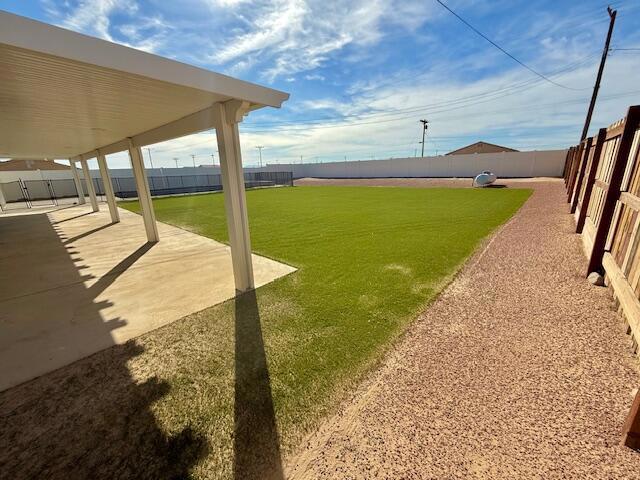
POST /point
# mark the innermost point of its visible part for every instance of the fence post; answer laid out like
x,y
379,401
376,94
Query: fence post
x,y
613,191
591,178
631,429
567,166
577,155
3,202
584,157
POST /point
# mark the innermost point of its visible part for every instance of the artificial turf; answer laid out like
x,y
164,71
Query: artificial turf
x,y
368,258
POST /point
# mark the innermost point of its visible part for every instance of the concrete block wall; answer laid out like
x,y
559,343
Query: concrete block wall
x,y
548,163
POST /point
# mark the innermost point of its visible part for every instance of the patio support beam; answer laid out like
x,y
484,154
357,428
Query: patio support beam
x,y
76,180
228,116
3,202
144,195
108,187
89,183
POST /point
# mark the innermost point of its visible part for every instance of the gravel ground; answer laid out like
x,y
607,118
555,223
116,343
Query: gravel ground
x,y
520,369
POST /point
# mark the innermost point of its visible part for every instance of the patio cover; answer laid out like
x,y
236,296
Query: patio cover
x,y
68,95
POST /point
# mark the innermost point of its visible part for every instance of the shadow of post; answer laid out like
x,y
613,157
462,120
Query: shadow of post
x,y
256,443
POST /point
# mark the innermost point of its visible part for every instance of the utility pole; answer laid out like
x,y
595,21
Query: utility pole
x,y
175,159
425,125
193,159
150,160
213,160
260,147
596,87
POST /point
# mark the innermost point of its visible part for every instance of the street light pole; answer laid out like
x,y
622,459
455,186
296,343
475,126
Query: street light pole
x,y
150,159
260,147
175,159
425,125
193,159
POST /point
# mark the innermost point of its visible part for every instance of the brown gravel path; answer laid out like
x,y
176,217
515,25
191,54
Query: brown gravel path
x,y
520,369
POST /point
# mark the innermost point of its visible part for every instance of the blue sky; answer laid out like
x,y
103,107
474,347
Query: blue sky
x,y
362,73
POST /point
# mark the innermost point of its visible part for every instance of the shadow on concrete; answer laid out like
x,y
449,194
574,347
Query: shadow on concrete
x,y
90,419
87,233
117,270
72,218
256,442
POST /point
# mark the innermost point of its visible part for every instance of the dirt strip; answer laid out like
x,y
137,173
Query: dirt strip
x,y
520,369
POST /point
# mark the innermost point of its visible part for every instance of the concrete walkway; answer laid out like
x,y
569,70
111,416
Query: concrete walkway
x,y
520,369
72,283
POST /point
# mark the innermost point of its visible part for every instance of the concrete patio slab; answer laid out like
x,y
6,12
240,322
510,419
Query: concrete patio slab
x,y
72,283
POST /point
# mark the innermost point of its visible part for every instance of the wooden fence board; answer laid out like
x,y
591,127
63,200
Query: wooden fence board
x,y
613,173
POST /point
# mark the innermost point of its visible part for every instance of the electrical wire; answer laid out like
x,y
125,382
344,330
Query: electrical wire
x,y
504,51
497,93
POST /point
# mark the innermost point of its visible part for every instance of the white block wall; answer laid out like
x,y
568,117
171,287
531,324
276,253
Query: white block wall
x,y
549,163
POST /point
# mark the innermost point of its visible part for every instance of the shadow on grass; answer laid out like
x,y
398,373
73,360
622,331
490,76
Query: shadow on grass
x,y
256,443
92,419
94,422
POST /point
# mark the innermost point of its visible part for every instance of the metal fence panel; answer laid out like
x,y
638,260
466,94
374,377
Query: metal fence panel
x,y
63,188
38,190
13,192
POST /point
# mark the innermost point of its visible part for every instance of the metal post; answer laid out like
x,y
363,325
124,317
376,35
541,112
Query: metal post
x,y
234,197
3,202
76,180
108,188
87,181
144,196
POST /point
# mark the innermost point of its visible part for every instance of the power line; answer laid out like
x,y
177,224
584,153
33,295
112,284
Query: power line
x,y
460,102
504,51
507,90
503,110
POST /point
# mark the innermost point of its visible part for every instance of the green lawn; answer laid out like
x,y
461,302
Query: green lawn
x,y
369,260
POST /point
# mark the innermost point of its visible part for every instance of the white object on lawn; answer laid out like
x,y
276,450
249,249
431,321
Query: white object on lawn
x,y
484,179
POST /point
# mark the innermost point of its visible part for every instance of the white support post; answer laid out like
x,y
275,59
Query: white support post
x,y
76,179
144,195
3,201
229,114
89,183
108,188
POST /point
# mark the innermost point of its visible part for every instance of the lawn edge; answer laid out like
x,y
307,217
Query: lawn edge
x,y
348,392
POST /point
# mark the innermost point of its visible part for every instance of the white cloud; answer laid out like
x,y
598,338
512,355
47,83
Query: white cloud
x,y
298,35
93,17
537,115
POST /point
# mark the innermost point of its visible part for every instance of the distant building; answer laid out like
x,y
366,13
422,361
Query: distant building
x,y
481,147
20,165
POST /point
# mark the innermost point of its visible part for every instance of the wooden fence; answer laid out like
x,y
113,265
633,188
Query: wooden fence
x,y
602,176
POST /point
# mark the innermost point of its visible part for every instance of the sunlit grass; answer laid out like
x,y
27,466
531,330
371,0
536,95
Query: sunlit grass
x,y
369,259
